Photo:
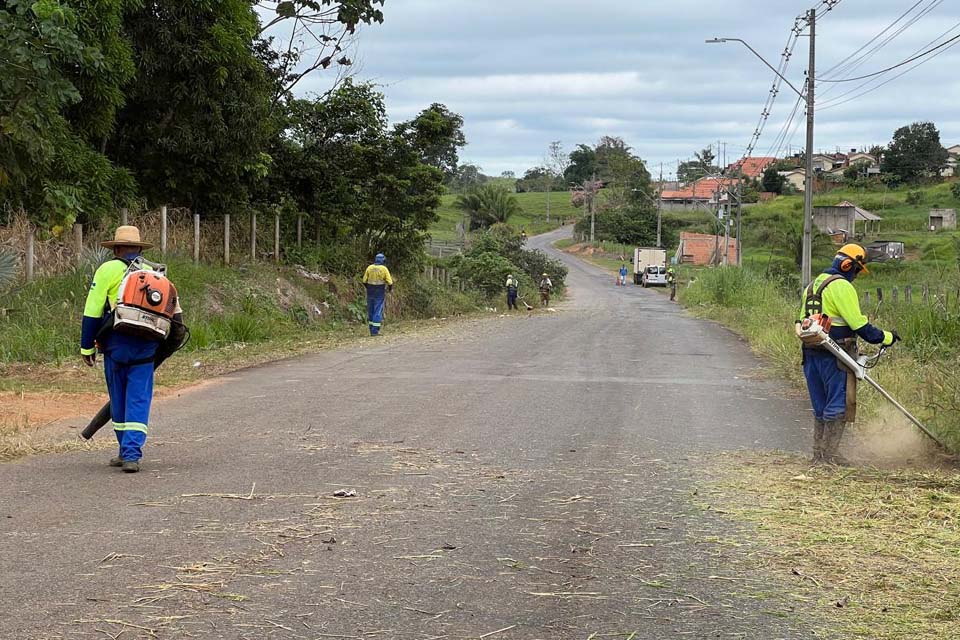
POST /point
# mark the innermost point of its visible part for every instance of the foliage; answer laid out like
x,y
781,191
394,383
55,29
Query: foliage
x,y
195,122
437,135
467,176
304,36
955,190
539,179
914,197
497,252
488,205
583,165
356,179
54,57
915,152
702,165
772,181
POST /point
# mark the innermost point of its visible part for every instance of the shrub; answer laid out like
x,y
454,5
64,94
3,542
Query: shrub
x,y
914,197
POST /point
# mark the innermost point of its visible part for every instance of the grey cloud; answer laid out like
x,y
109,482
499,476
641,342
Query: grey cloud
x,y
526,72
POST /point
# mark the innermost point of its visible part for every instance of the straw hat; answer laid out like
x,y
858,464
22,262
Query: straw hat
x,y
126,236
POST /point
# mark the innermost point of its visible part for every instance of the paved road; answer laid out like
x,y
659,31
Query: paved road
x,y
520,477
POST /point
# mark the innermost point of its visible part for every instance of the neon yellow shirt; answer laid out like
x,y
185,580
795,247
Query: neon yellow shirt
x,y
377,274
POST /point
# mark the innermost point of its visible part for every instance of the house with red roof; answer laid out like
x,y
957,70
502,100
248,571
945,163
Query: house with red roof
x,y
750,167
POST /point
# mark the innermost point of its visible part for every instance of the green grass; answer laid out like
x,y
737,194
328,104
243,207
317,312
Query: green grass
x,y
533,217
875,552
232,312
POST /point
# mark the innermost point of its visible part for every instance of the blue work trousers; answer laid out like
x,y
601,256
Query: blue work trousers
x,y
376,301
131,391
827,384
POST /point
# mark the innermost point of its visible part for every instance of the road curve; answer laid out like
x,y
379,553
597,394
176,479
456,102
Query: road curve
x,y
517,477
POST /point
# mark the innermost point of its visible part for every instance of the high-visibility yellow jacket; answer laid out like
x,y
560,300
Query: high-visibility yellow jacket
x,y
377,274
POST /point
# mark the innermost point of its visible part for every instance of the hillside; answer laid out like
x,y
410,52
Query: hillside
x,y
533,218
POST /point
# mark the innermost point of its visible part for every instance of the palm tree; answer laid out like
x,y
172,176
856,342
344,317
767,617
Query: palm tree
x,y
488,205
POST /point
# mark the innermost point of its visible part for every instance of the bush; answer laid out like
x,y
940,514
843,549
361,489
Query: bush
x,y
914,197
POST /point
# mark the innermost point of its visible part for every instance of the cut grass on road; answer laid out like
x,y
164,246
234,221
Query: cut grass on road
x,y
877,551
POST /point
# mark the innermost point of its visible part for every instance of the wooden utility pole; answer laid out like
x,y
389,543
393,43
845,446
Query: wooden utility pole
x,y
196,238
163,230
226,238
30,252
590,194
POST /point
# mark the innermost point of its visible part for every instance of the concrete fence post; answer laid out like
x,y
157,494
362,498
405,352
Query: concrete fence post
x,y
163,230
276,238
196,238
879,295
299,232
895,295
78,239
30,253
226,238
124,216
253,237
908,294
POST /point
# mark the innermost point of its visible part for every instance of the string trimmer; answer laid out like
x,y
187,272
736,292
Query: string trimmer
x,y
811,332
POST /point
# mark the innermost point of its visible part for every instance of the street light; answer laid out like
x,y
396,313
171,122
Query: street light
x,y
808,95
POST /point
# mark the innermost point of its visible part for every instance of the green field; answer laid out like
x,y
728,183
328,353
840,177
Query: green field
x,y
533,218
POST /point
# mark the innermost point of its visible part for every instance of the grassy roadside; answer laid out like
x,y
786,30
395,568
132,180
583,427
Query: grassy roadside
x,y
876,551
532,218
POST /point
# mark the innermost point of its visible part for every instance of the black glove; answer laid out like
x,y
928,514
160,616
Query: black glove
x,y
896,337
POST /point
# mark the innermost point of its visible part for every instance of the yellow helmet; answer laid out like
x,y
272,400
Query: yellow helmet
x,y
853,256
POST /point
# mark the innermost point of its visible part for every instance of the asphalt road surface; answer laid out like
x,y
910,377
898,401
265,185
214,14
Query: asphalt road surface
x,y
520,477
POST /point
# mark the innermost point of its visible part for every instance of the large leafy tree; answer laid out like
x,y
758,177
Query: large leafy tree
x,y
583,164
915,152
52,58
437,135
195,122
356,179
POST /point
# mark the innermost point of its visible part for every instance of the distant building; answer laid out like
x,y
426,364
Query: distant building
x,y
705,192
953,156
840,221
705,249
942,219
796,178
750,167
885,250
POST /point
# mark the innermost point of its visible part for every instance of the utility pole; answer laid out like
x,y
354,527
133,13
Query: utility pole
x,y
590,194
805,269
739,214
659,203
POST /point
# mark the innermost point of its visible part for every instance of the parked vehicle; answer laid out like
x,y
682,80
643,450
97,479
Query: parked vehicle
x,y
655,276
644,257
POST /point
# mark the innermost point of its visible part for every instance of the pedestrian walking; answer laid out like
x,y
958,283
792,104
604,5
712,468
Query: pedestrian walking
x,y
832,387
378,282
127,315
672,283
513,287
546,286
623,275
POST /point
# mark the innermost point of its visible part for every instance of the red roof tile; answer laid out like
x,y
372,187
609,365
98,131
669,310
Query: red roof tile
x,y
752,167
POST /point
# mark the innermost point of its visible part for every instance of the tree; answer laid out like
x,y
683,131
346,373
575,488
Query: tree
x,y
772,181
467,176
299,37
195,122
583,165
437,133
535,179
702,165
53,58
488,205
508,175
915,152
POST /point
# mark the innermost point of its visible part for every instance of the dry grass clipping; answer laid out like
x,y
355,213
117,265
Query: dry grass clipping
x,y
879,551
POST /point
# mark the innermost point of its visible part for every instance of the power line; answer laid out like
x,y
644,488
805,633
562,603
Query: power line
x,y
897,66
828,72
840,97
857,62
889,80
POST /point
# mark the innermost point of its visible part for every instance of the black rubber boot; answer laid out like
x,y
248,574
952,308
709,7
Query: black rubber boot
x,y
819,435
833,434
131,466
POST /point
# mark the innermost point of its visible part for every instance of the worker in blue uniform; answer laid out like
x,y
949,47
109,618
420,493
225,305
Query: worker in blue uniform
x,y
128,361
378,281
831,386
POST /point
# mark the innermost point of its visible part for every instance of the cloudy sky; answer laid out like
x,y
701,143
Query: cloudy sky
x,y
525,72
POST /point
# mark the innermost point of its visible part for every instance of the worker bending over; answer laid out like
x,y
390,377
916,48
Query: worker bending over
x,y
832,386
